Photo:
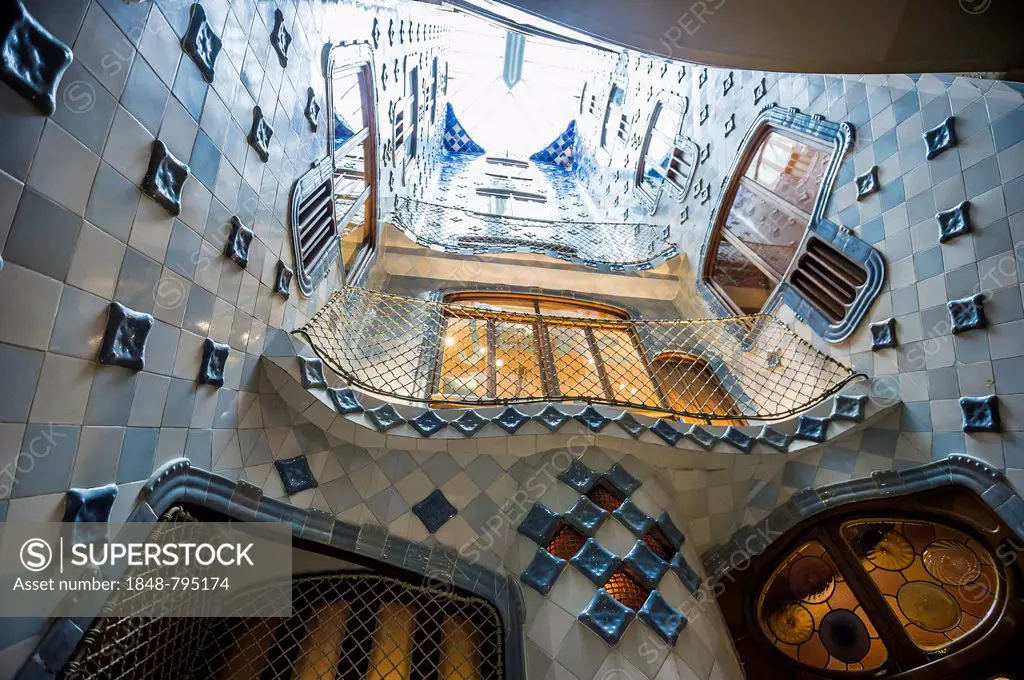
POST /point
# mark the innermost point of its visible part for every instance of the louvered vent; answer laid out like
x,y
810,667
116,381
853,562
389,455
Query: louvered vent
x,y
827,278
680,168
314,230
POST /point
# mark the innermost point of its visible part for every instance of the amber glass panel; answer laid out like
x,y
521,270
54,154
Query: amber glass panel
x,y
354,236
746,285
690,385
625,368
516,361
791,169
604,497
761,225
464,363
568,308
575,364
499,304
939,582
809,612
567,542
627,590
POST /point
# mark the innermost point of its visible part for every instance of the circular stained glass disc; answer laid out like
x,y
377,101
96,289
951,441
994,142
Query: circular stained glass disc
x,y
845,636
928,606
811,580
792,624
888,550
951,562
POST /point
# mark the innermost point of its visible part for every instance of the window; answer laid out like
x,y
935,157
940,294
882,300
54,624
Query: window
x,y
433,91
509,162
689,383
665,157
513,203
406,124
334,204
613,116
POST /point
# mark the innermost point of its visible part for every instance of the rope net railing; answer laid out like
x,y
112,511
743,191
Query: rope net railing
x,y
705,370
611,244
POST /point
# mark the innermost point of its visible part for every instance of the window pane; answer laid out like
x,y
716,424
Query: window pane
x,y
464,360
496,303
772,234
625,367
809,612
354,236
575,365
516,362
348,107
792,169
611,114
939,582
567,308
746,285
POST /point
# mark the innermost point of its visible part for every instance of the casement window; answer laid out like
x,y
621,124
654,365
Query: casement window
x,y
334,204
433,91
616,123
406,124
665,155
513,203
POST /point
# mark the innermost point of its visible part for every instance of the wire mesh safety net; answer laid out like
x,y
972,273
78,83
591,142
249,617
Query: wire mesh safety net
x,y
723,370
455,229
344,625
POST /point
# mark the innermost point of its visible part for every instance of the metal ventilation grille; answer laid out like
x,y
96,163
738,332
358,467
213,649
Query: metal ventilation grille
x,y
681,166
314,229
827,278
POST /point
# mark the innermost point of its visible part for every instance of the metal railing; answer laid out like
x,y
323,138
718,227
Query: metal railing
x,y
421,351
614,245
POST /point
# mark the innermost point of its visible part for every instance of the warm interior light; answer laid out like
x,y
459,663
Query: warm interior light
x,y
499,363
449,341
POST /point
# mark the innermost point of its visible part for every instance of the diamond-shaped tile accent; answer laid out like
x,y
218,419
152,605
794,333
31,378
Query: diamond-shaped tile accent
x,y
345,400
539,524
312,110
594,420
311,372
607,617
551,418
849,407
633,427
775,439
215,358
579,476
586,516
280,38
124,340
595,562
165,178
32,60
980,414
967,314
434,510
618,477
738,439
671,532
811,428
883,334
760,91
260,134
385,417
663,618
295,474
511,419
690,578
867,183
237,247
700,436
469,423
666,432
645,565
543,570
635,519
283,280
940,138
954,222
428,423
201,43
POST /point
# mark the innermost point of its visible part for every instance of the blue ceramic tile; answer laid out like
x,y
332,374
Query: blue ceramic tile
x,y
312,373
345,400
211,368
89,505
385,417
685,572
280,38
551,418
295,474
701,437
954,222
237,247
940,138
662,617
883,334
579,476
165,178
867,183
283,280
635,519
595,562
469,423
607,617
629,424
428,423
967,314
32,60
618,477
539,524
644,564
201,43
671,532
846,407
586,516
980,414
738,439
434,510
124,340
593,419
510,420
543,571
811,428
775,439
666,432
